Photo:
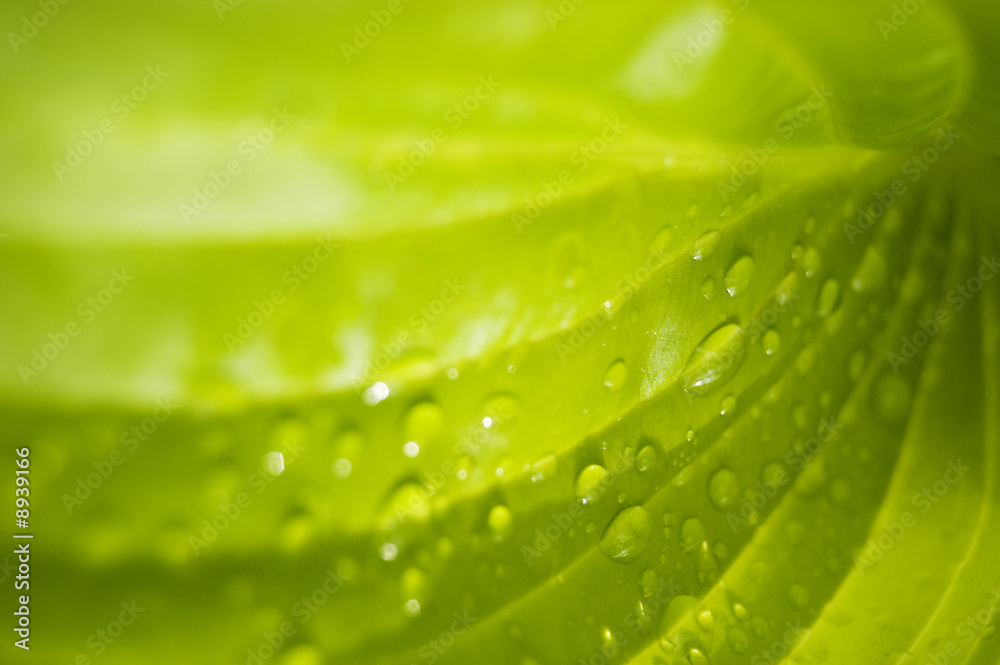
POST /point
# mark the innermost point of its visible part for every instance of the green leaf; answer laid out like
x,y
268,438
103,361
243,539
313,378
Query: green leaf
x,y
520,333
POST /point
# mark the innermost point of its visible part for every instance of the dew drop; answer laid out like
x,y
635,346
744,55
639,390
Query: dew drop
x,y
772,342
615,375
645,458
692,534
342,467
274,463
501,523
705,245
758,626
798,596
705,621
738,276
592,483
829,298
424,422
723,489
628,535
697,657
375,394
870,273
893,397
738,640
708,288
728,405
663,240
811,262
740,612
677,610
649,583
715,360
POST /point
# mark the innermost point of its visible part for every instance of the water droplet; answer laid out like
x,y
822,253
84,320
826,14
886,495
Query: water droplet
x,y
738,276
628,535
411,449
798,596
451,373
724,489
663,240
708,288
388,552
692,534
811,262
544,468
592,483
375,394
800,416
411,608
840,490
274,463
424,422
728,404
772,342
788,290
697,657
870,273
501,522
342,468
616,374
649,583
705,245
829,298
893,397
740,612
758,626
738,640
646,458
715,360
705,621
